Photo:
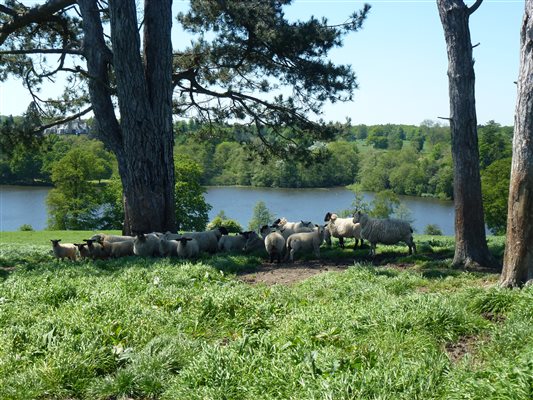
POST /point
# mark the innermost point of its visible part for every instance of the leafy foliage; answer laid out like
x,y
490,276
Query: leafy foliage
x,y
261,216
495,188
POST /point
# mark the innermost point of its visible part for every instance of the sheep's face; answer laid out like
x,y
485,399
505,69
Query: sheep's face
x,y
327,217
356,217
55,242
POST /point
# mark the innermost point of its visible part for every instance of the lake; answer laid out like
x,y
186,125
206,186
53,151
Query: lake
x,y
27,205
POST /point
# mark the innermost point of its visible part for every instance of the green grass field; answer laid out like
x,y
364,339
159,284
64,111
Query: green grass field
x,y
408,328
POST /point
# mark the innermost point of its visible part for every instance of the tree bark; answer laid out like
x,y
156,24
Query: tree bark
x,y
518,258
143,138
471,248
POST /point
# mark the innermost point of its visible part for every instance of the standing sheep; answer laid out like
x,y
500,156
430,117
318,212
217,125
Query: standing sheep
x,y
188,248
274,243
305,241
341,228
62,251
83,250
96,250
386,231
287,228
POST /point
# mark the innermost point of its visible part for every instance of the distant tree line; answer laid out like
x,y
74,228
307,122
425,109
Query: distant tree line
x,y
403,159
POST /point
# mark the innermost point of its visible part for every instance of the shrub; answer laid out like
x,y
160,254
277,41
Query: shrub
x,y
26,228
432,229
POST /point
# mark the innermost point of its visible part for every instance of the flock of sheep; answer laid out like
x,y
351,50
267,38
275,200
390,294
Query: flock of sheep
x,y
281,240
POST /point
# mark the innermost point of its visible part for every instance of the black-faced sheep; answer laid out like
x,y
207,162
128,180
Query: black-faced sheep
x,y
96,250
287,228
207,240
341,228
83,250
188,247
385,231
118,249
65,250
146,245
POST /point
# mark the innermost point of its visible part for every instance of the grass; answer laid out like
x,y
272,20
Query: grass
x,y
409,328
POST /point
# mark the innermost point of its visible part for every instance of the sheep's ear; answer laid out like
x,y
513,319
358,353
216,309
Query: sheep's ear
x,y
327,217
223,230
276,222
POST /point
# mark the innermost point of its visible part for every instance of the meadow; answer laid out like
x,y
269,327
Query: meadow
x,y
396,327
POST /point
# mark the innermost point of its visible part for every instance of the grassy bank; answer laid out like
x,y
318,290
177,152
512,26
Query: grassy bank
x,y
411,328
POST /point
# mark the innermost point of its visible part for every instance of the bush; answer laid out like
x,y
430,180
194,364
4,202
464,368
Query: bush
x,y
432,229
221,220
26,228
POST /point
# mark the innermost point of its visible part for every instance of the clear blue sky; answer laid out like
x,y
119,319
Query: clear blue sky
x,y
400,60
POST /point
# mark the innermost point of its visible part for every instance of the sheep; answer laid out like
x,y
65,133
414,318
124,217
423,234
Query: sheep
x,y
274,243
118,249
146,245
341,228
287,228
207,240
386,231
230,243
305,241
65,250
168,248
188,247
96,250
83,250
254,243
100,237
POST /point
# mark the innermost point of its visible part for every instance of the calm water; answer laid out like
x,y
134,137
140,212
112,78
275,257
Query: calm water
x,y
27,205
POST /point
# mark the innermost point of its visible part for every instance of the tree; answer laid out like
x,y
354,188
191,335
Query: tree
x,y
518,257
261,216
240,49
495,186
470,241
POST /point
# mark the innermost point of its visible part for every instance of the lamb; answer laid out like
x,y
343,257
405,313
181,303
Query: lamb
x,y
188,247
305,241
207,240
83,250
167,247
341,228
65,250
100,237
96,250
287,228
117,249
274,243
146,245
386,231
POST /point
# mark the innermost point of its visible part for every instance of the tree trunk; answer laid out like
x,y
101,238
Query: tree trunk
x,y
143,139
470,241
518,258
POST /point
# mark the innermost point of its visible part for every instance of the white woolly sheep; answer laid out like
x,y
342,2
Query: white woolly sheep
x,y
385,231
287,228
96,250
341,228
146,245
230,243
118,249
65,250
188,247
83,250
274,243
101,237
305,241
254,243
207,240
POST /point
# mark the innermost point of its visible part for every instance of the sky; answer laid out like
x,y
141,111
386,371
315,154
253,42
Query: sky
x,y
400,61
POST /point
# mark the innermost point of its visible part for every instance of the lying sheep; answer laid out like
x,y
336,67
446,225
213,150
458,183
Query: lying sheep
x,y
146,245
117,249
207,240
274,243
287,228
100,237
386,231
254,243
96,250
341,228
232,242
168,248
65,250
83,250
306,242
188,247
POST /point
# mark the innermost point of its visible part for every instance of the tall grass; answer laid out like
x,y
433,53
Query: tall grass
x,y
165,329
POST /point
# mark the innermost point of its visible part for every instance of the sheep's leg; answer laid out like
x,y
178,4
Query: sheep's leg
x,y
356,243
341,242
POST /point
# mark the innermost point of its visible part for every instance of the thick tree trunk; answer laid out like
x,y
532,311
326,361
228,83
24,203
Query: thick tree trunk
x,y
470,241
518,259
143,139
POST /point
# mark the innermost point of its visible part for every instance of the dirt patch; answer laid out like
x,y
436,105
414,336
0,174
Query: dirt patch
x,y
290,273
465,345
